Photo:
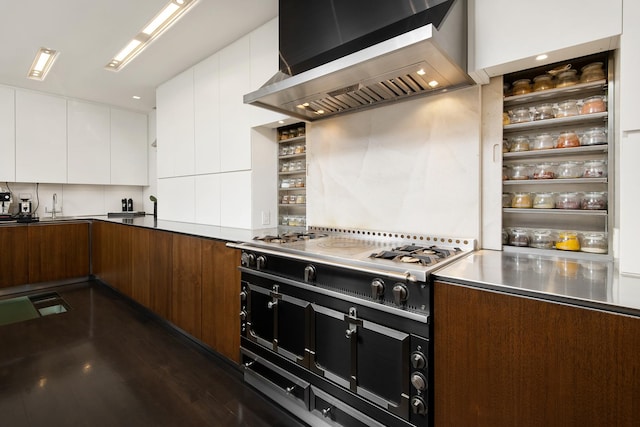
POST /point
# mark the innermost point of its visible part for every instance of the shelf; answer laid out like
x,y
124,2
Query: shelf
x,y
553,152
578,256
292,189
587,212
582,119
552,93
295,205
555,181
292,156
296,139
300,172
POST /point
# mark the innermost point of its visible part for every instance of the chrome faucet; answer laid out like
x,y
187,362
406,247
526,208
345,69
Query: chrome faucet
x,y
55,201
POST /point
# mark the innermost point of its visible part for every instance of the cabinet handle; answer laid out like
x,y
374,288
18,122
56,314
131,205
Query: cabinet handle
x,y
495,150
272,304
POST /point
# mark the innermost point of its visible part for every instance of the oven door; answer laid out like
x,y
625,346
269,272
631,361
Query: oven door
x,y
367,358
277,321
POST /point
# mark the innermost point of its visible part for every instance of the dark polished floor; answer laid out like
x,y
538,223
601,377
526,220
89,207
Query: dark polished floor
x,y
107,363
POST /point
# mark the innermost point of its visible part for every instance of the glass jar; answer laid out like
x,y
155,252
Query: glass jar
x,y
544,171
594,169
543,82
594,242
301,131
518,144
299,183
541,239
300,199
505,173
593,104
505,146
506,200
284,135
592,72
567,78
285,199
568,200
568,108
285,167
520,115
522,200
520,172
568,241
594,200
544,112
521,87
505,119
569,170
519,237
594,136
505,237
544,201
298,149
568,140
543,141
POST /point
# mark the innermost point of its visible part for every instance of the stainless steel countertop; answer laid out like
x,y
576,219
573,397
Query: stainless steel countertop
x,y
591,284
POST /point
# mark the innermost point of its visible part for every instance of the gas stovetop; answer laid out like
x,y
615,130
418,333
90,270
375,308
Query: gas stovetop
x,y
410,253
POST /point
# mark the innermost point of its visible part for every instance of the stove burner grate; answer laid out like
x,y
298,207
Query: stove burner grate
x,y
425,255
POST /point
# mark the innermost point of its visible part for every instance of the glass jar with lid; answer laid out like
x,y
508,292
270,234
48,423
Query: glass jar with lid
x,y
568,200
569,170
594,169
568,241
543,141
544,201
544,171
301,131
520,172
506,200
594,136
594,200
567,78
568,139
522,200
592,72
519,237
593,104
520,115
505,237
594,242
521,87
567,108
519,143
543,82
542,239
544,112
284,135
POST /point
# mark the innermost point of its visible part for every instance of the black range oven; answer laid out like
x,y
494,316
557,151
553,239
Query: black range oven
x,y
339,341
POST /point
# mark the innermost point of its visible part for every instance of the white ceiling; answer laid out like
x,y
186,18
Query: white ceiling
x,y
88,33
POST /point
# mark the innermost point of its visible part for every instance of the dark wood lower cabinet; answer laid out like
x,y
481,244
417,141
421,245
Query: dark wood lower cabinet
x,y
503,360
186,285
14,256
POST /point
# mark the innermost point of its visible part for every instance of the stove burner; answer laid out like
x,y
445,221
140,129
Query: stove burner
x,y
425,255
289,237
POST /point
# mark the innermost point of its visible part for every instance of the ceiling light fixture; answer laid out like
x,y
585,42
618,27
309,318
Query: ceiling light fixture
x,y
42,63
542,57
158,25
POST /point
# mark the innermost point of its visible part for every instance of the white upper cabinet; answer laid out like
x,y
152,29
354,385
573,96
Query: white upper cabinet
x,y
41,138
129,161
7,135
88,144
207,115
629,66
175,118
506,35
235,137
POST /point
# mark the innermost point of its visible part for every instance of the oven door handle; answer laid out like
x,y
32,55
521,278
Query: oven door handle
x,y
396,276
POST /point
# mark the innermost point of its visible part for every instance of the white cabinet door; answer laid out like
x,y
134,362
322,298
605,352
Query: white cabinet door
x,y
629,66
207,115
7,135
235,199
235,137
175,112
88,145
629,203
207,199
41,138
505,36
176,199
128,148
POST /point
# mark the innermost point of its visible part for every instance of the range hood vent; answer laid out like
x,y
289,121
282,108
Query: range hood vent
x,y
423,61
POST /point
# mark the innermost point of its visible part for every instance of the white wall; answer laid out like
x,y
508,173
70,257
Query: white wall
x,y
413,166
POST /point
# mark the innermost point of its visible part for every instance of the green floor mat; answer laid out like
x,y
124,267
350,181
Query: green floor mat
x,y
16,310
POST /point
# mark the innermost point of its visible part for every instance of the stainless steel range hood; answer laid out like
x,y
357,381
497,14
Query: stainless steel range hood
x,y
423,61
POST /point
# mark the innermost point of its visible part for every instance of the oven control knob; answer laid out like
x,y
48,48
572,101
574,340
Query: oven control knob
x,y
418,406
243,315
377,289
400,293
261,262
247,259
243,296
418,360
419,381
309,273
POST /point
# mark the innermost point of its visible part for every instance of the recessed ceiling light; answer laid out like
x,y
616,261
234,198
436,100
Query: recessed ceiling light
x,y
542,57
433,83
135,97
42,63
151,31
421,72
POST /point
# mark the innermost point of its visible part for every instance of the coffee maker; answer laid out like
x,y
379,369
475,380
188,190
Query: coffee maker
x,y
5,202
25,214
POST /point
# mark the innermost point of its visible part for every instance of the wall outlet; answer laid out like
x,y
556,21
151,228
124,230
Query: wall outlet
x,y
266,217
